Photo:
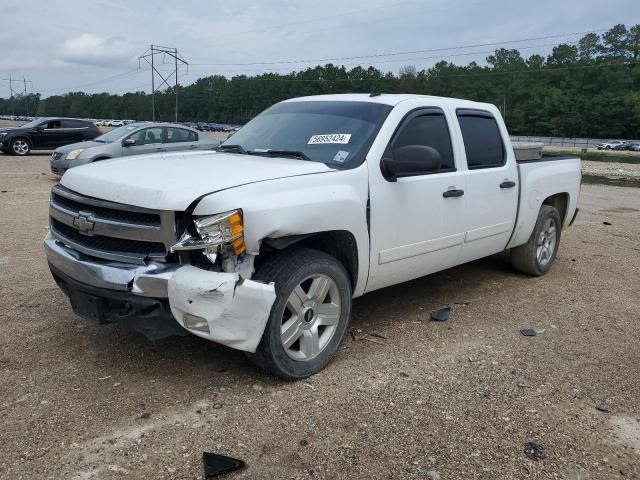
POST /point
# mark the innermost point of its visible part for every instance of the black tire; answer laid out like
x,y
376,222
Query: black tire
x,y
20,146
287,270
525,257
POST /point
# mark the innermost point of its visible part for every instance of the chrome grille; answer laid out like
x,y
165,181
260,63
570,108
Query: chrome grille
x,y
110,230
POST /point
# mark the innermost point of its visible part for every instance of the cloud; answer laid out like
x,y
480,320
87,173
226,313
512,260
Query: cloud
x,y
89,49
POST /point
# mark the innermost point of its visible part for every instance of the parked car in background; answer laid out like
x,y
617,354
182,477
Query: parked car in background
x,y
46,134
622,146
133,139
610,145
634,147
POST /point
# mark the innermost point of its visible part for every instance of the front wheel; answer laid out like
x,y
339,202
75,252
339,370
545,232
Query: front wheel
x,y
310,315
537,255
20,146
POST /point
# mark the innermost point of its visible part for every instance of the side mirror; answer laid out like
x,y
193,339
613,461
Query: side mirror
x,y
40,128
128,142
411,160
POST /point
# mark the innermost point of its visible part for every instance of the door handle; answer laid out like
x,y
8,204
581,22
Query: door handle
x,y
453,193
192,147
508,184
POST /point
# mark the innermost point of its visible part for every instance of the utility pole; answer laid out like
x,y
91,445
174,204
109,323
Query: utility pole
x,y
149,57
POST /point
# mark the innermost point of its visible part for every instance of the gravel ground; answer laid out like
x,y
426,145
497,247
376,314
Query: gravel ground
x,y
457,399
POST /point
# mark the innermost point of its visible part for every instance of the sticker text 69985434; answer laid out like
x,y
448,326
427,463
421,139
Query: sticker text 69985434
x,y
335,138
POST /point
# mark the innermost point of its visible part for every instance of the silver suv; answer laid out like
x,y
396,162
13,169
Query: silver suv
x,y
132,139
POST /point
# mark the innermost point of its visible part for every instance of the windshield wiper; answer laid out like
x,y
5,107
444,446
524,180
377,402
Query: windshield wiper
x,y
237,148
280,153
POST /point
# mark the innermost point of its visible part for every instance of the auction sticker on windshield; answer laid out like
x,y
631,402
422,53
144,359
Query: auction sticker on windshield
x,y
331,138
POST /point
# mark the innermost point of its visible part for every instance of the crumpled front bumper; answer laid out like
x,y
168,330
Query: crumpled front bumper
x,y
232,311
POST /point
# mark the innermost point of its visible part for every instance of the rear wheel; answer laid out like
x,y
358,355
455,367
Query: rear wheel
x,y
537,255
20,146
310,315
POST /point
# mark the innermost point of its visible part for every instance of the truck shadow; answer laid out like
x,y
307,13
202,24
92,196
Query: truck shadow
x,y
204,360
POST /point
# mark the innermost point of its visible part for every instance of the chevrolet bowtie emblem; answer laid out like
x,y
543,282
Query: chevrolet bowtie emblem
x,y
83,223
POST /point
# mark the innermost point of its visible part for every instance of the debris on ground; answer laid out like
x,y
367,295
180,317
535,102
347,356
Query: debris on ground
x,y
527,332
404,374
433,475
215,464
606,223
303,443
29,305
601,407
369,339
534,451
377,335
145,416
441,315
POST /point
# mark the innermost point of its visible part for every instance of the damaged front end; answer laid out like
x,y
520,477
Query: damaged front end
x,y
223,306
207,290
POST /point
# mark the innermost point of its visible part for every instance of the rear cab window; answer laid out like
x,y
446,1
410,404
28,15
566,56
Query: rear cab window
x,y
177,135
483,142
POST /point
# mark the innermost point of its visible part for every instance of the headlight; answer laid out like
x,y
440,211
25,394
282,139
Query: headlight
x,y
73,154
215,230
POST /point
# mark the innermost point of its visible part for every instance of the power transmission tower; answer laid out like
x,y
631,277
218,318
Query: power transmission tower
x,y
24,81
149,57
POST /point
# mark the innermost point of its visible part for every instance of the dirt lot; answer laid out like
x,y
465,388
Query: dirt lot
x,y
454,400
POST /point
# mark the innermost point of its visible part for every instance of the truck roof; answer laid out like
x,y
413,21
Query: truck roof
x,y
388,99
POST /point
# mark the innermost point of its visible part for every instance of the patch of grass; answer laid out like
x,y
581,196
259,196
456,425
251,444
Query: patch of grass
x,y
616,182
609,156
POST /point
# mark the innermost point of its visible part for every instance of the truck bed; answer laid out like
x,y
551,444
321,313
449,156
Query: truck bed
x,y
547,157
540,179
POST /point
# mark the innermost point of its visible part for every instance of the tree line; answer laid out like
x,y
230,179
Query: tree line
x,y
589,88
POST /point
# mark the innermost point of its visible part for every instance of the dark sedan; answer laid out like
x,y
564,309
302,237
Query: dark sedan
x,y
46,134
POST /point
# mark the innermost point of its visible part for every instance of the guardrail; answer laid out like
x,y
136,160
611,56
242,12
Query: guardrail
x,y
566,141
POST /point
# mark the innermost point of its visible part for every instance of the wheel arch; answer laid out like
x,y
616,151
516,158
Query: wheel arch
x,y
560,201
340,244
21,136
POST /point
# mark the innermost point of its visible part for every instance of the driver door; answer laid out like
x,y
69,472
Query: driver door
x,y
417,221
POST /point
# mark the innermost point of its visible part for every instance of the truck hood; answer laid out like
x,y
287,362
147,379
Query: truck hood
x,y
174,181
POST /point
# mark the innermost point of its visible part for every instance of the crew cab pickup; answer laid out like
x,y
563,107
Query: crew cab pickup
x,y
262,244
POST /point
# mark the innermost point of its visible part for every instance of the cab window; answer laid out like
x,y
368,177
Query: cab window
x,y
429,129
482,140
176,135
147,136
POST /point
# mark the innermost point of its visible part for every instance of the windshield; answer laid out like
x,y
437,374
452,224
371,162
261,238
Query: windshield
x,y
115,134
33,123
335,133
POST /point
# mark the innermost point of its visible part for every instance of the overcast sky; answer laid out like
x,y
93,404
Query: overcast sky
x,y
63,45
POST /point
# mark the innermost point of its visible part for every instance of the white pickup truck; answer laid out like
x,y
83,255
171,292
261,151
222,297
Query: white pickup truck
x,y
262,244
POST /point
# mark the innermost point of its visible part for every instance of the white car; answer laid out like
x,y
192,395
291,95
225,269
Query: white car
x,y
262,245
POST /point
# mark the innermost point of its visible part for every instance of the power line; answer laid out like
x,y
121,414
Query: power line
x,y
117,76
431,57
409,52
